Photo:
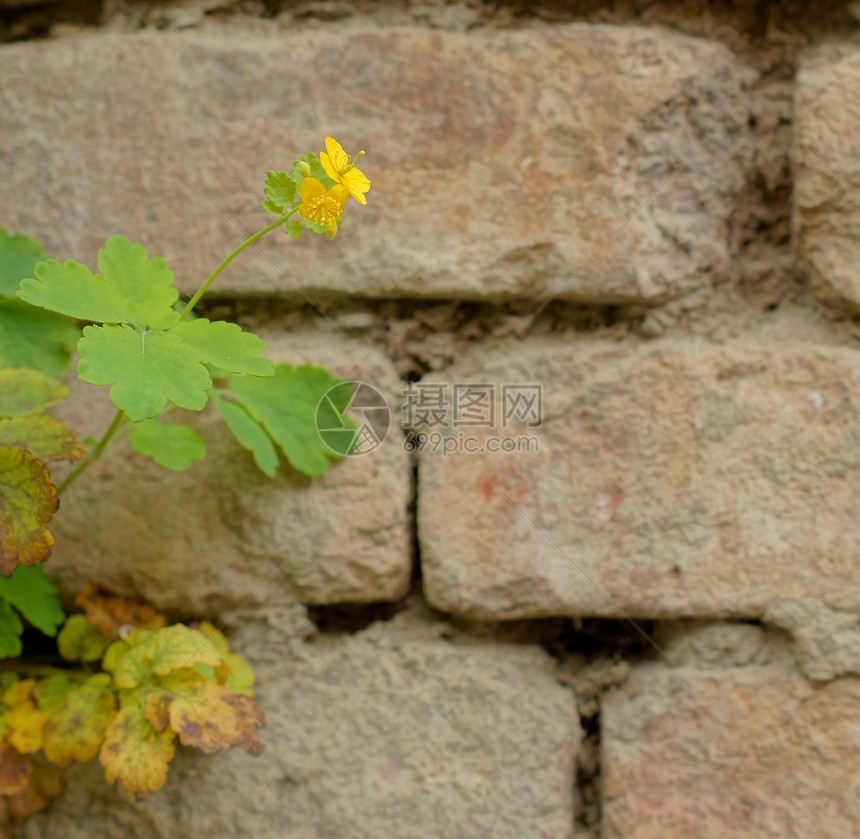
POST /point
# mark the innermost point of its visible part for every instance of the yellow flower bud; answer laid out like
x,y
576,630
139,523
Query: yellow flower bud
x,y
305,168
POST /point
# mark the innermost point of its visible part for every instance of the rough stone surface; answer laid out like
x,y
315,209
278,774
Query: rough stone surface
x,y
826,212
745,749
516,154
828,641
669,482
212,536
394,732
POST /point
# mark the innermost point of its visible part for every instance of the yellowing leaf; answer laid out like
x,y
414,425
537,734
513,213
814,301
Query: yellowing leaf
x,y
27,502
24,391
14,770
169,649
79,640
25,728
77,729
109,611
52,691
136,756
207,715
20,694
234,672
42,436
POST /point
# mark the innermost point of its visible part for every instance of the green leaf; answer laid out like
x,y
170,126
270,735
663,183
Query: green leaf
x,y
79,640
145,369
77,729
272,209
24,391
10,632
312,225
286,406
280,189
250,434
42,436
146,284
27,502
35,597
71,289
33,337
18,255
226,346
294,228
175,447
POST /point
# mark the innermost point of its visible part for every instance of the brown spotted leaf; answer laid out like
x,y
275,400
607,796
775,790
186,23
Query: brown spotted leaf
x,y
42,436
14,770
44,785
109,612
208,715
136,756
77,729
169,649
27,502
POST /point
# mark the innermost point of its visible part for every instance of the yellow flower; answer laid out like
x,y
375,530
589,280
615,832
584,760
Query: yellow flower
x,y
339,167
324,206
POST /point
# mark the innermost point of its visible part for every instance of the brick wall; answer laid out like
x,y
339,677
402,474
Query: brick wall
x,y
642,623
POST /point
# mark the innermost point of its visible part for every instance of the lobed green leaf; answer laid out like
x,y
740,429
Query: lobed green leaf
x,y
250,434
286,405
226,346
280,190
18,256
71,289
145,284
145,369
34,596
10,631
175,447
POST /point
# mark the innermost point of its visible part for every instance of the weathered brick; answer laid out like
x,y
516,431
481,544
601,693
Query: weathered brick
x,y
678,477
826,158
745,749
500,160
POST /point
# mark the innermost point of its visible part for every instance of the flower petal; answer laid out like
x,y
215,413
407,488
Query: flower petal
x,y
310,188
340,193
357,183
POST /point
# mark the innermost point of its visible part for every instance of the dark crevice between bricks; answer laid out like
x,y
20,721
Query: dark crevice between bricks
x,y
424,336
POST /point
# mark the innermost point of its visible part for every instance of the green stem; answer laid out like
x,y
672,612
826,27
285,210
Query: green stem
x,y
95,452
227,260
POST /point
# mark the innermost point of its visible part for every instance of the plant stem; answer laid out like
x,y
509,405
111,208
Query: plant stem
x,y
95,453
227,260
